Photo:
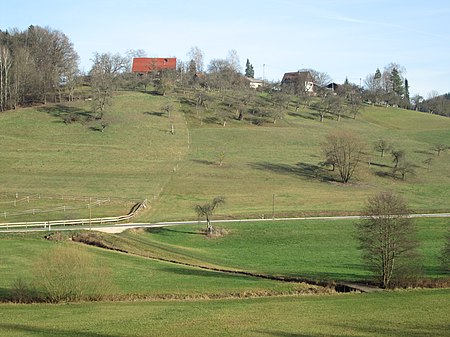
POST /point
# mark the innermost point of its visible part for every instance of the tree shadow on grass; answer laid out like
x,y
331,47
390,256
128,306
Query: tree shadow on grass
x,y
43,331
203,161
282,333
165,230
63,112
155,113
380,165
419,329
304,170
384,174
428,153
304,116
192,271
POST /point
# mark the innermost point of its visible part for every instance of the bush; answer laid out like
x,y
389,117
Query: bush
x,y
23,292
68,273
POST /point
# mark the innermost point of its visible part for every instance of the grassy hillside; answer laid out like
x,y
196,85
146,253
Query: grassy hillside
x,y
407,313
137,157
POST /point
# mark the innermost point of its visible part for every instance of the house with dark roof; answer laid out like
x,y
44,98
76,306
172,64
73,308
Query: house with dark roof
x,y
333,86
299,81
145,65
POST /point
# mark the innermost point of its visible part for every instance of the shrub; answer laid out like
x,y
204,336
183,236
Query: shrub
x,y
68,273
23,292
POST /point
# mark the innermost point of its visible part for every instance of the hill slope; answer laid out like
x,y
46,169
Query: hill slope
x,y
257,168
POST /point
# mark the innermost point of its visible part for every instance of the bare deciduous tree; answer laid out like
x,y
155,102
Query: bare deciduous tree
x,y
439,148
382,146
196,55
104,72
207,210
404,167
397,157
344,150
387,238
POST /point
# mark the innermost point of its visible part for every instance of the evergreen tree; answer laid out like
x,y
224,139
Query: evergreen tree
x,y
407,91
397,83
249,71
377,74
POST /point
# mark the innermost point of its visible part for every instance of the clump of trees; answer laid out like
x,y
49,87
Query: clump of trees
x,y
36,66
388,87
433,104
388,240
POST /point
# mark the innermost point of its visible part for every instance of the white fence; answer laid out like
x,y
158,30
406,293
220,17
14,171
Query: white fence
x,y
89,221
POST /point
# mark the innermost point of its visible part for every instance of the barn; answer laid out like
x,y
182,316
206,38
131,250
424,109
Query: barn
x,y
144,65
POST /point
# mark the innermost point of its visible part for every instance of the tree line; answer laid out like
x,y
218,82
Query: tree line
x,y
40,64
36,65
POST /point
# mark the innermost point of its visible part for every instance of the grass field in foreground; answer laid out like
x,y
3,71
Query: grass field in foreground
x,y
416,313
132,275
319,250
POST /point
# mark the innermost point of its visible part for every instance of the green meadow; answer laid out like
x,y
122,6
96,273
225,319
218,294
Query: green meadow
x,y
404,313
137,158
50,170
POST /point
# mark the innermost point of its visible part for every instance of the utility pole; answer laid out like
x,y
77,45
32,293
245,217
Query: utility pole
x,y
273,206
264,69
90,212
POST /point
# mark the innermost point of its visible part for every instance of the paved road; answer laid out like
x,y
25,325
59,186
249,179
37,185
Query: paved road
x,y
118,228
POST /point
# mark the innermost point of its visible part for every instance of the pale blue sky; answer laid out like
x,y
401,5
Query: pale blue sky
x,y
340,37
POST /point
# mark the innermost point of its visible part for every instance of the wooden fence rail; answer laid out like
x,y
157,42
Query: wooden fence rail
x,y
48,224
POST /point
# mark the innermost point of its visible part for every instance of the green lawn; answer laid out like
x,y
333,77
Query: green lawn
x,y
404,313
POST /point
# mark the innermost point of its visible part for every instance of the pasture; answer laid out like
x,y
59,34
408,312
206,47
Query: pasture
x,y
50,170
404,313
264,168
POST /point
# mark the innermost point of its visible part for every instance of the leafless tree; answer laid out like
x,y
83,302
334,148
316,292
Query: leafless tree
x,y
440,148
387,238
104,72
344,149
428,162
207,210
233,60
6,62
398,156
404,167
196,54
382,146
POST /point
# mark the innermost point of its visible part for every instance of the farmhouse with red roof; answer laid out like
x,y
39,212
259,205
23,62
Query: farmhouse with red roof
x,y
144,65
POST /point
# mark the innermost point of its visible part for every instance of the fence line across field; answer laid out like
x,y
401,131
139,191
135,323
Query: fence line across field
x,y
27,196
87,221
56,209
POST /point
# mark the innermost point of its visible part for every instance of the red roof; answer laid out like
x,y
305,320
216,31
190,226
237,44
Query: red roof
x,y
146,64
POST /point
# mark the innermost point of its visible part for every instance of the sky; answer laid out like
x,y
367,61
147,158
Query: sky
x,y
343,38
